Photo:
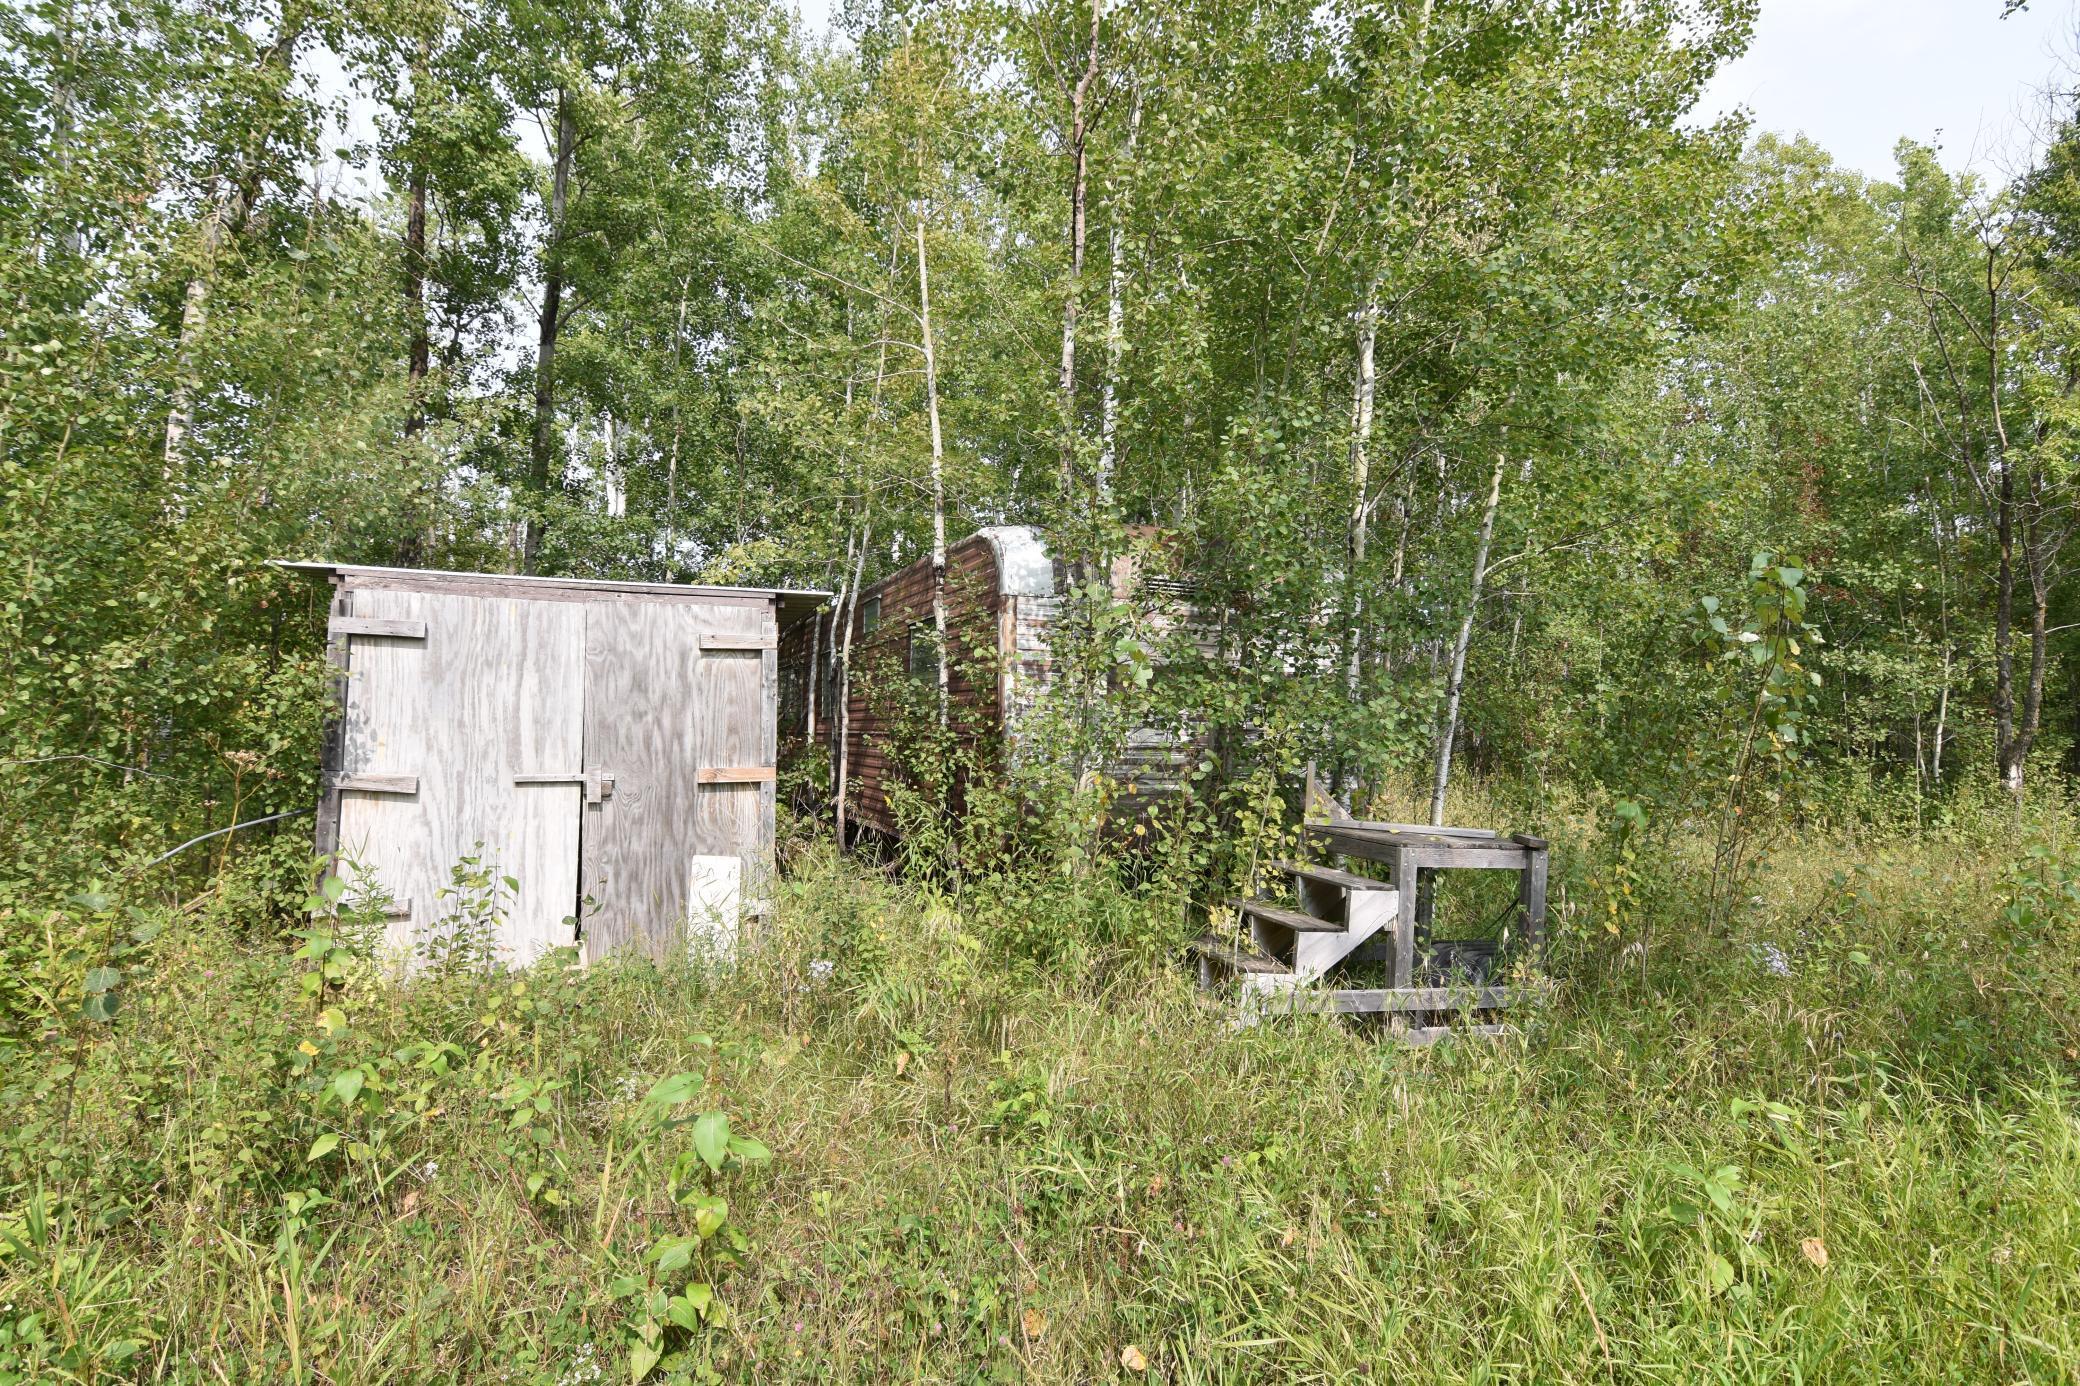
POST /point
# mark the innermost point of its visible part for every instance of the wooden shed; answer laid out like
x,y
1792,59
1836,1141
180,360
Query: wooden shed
x,y
609,745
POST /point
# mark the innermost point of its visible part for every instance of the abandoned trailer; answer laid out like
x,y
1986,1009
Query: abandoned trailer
x,y
1355,937
847,691
610,745
849,676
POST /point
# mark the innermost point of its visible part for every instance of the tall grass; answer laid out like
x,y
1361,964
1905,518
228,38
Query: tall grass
x,y
1837,1143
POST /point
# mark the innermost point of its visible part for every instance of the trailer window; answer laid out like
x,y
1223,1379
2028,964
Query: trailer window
x,y
924,651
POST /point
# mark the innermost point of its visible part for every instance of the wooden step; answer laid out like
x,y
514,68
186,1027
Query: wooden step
x,y
1426,829
1361,1000
1235,957
1431,1034
1287,919
1329,875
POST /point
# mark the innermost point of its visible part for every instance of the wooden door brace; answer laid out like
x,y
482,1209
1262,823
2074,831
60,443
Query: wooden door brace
x,y
598,784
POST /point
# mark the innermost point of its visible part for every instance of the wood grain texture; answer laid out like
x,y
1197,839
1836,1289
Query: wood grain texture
x,y
1000,671
974,671
736,694
375,784
1293,920
1401,870
1416,829
689,736
377,625
551,588
497,690
641,711
1483,858
1531,905
737,774
1357,1000
1428,849
761,862
325,832
1233,956
1330,876
568,590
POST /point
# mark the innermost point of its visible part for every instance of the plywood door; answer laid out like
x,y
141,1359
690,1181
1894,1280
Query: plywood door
x,y
659,709
495,691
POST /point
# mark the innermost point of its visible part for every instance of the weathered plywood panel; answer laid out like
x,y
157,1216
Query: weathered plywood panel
x,y
640,662
377,625
662,714
495,690
733,692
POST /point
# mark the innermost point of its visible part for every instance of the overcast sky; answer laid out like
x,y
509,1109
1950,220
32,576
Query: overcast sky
x,y
1857,75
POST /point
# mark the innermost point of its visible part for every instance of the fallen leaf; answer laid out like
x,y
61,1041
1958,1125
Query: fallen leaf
x,y
1155,1185
1035,1324
1288,1237
411,1201
902,1062
1132,1359
1815,1251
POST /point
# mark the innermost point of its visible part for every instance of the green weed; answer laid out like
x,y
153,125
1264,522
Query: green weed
x,y
1838,1144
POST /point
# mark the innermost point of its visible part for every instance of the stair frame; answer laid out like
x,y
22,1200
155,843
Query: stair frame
x,y
1391,917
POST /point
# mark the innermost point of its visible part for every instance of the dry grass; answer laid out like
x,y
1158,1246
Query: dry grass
x,y
978,1176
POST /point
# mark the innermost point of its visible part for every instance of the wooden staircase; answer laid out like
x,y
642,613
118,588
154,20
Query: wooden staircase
x,y
1286,960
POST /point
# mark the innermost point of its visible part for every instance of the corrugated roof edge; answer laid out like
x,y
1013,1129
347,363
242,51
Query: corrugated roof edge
x,y
795,603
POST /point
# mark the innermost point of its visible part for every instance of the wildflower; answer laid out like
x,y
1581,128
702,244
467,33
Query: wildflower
x,y
821,969
584,1367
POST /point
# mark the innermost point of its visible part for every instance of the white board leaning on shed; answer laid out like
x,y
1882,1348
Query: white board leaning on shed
x,y
608,746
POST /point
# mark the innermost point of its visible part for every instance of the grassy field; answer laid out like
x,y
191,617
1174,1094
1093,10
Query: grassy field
x,y
1836,1141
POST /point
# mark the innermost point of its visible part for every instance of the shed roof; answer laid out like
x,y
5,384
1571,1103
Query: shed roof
x,y
794,603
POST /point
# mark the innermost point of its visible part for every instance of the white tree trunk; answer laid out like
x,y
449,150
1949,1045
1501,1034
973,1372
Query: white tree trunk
x,y
541,452
180,409
1450,722
1115,330
843,717
1079,151
228,209
931,395
1361,484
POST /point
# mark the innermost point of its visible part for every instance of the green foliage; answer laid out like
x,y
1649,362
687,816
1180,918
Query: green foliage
x,y
1006,1173
236,1137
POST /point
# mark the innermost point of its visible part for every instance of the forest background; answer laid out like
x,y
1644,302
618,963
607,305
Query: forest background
x,y
1666,488
673,292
